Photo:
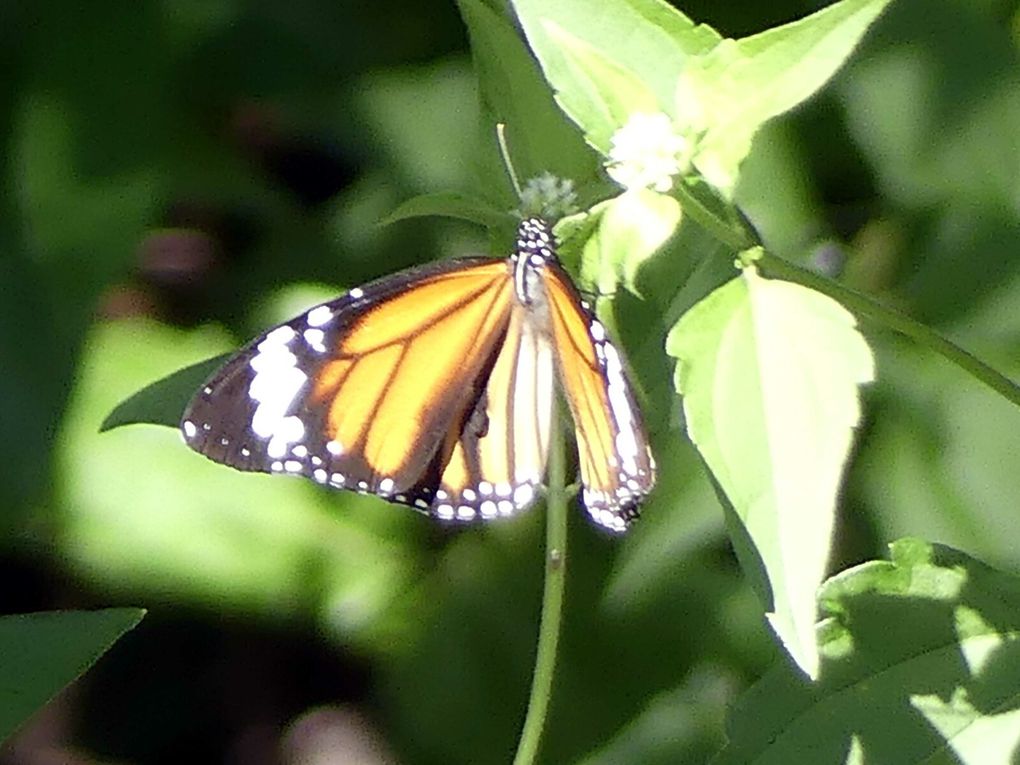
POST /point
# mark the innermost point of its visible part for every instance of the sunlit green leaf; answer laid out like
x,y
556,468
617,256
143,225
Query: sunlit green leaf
x,y
740,84
631,228
648,38
769,373
611,93
919,664
41,653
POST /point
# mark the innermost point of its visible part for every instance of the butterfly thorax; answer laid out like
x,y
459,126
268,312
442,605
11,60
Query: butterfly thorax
x,y
534,249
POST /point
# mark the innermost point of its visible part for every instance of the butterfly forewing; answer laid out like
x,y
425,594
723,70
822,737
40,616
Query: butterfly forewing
x,y
353,393
617,468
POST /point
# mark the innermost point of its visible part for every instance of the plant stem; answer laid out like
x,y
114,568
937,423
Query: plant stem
x,y
740,237
862,305
552,601
737,237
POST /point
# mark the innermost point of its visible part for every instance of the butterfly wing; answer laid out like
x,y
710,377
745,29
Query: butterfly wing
x,y
498,461
617,468
374,391
434,388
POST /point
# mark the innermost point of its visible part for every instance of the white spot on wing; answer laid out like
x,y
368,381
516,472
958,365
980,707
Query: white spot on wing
x,y
275,386
314,338
319,316
626,443
523,494
189,429
287,431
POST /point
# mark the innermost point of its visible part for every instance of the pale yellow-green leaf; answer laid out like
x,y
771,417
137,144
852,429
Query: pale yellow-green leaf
x,y
974,736
769,372
612,92
631,228
737,86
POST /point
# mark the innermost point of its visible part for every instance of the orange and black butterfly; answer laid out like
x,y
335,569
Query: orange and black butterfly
x,y
434,388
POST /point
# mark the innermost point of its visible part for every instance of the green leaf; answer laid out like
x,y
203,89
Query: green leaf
x,y
448,204
163,402
647,38
730,92
919,664
41,653
539,136
601,94
631,228
769,373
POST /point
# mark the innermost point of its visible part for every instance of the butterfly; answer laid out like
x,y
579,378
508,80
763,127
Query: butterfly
x,y
434,387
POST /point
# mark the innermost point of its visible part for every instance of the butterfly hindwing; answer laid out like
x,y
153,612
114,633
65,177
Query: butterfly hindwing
x,y
497,463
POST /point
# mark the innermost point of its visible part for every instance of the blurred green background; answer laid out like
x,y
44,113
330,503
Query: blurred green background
x,y
178,175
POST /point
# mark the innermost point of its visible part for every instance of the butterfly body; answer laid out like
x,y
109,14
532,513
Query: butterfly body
x,y
434,387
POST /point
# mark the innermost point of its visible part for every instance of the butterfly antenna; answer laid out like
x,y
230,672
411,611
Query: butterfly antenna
x,y
504,150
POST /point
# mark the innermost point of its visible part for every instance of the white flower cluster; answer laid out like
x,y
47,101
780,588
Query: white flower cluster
x,y
647,153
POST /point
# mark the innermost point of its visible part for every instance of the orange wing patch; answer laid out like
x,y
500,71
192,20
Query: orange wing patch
x,y
392,397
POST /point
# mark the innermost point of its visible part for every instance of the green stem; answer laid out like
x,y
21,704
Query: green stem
x,y
737,237
552,602
862,305
740,237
